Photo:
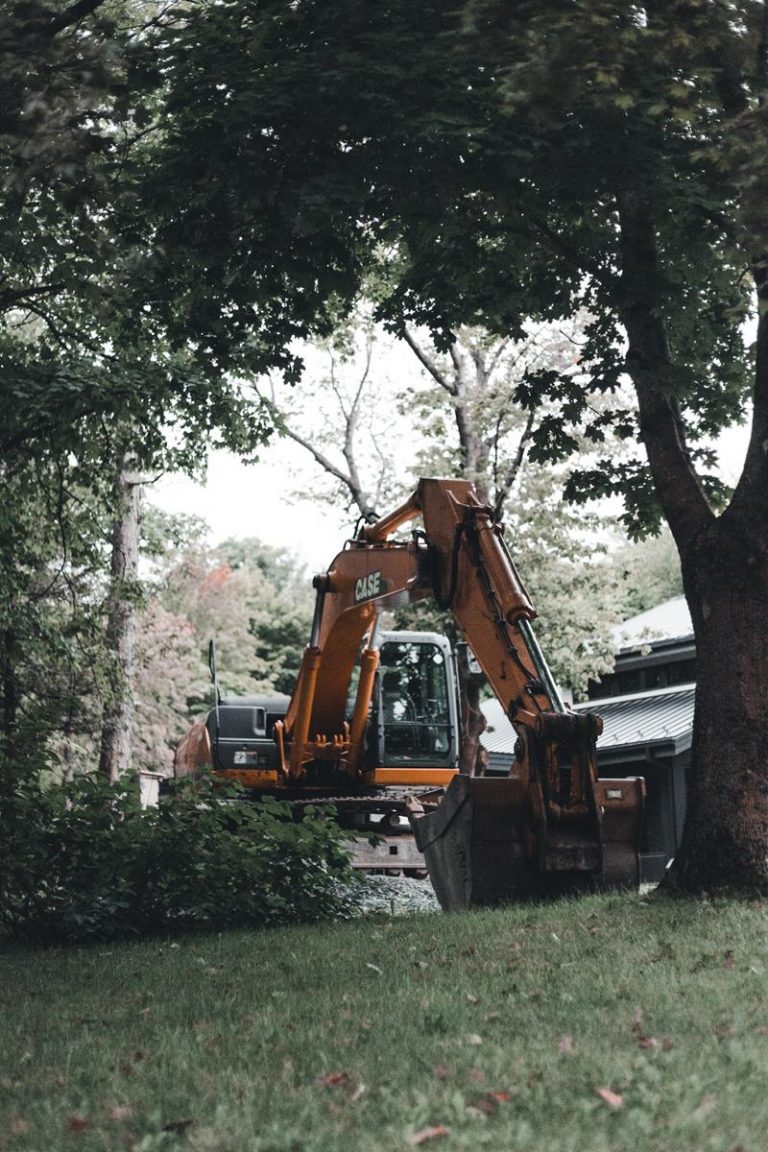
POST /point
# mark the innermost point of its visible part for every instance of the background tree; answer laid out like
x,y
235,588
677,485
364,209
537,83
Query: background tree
x,y
251,598
86,375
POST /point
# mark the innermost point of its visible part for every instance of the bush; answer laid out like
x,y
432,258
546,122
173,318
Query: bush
x,y
83,861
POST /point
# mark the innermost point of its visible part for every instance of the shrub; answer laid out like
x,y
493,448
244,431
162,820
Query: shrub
x,y
83,861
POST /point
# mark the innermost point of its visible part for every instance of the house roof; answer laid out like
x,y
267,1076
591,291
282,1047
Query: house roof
x,y
668,621
662,719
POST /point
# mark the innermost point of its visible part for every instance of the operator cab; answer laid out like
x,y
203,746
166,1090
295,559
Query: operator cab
x,y
416,715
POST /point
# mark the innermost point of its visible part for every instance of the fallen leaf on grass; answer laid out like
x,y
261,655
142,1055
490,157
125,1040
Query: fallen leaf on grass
x,y
440,1072
644,1041
726,1031
77,1124
333,1079
487,1104
476,1075
374,968
436,1132
612,1099
473,1038
565,1045
18,1126
729,960
472,999
358,1093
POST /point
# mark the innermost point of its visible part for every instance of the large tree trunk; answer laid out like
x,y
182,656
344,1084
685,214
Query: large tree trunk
x,y
117,721
725,572
725,841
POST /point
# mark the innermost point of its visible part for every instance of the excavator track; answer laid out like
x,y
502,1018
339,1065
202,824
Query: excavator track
x,y
383,815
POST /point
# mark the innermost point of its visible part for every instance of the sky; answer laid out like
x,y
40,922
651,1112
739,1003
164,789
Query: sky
x,y
259,500
264,499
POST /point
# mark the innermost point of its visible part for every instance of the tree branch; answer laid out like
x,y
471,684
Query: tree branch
x,y
648,361
72,15
430,366
503,489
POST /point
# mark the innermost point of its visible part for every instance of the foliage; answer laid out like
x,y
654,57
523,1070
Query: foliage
x,y
649,572
83,861
472,199
51,645
247,596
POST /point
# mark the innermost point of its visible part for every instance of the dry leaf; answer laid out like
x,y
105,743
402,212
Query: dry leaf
x,y
729,960
77,1124
647,1042
333,1079
440,1072
565,1045
636,1027
488,1102
473,1038
359,1092
436,1132
476,1075
472,999
374,968
612,1099
120,1112
18,1126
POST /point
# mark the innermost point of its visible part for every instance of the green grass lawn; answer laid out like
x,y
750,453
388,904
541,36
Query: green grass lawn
x,y
612,1023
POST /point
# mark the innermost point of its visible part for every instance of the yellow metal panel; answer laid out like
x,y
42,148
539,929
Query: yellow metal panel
x,y
426,776
250,777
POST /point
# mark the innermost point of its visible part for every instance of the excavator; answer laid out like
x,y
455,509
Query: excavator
x,y
373,723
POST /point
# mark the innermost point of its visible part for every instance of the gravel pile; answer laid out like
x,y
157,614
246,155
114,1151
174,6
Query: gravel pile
x,y
392,896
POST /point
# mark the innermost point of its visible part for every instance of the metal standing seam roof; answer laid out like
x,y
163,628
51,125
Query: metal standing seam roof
x,y
664,716
661,717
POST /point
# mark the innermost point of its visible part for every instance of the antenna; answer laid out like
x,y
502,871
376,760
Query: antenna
x,y
215,682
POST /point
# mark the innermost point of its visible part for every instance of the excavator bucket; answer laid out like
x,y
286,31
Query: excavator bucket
x,y
477,844
474,842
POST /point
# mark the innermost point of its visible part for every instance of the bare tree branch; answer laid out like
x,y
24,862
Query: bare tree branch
x,y
430,365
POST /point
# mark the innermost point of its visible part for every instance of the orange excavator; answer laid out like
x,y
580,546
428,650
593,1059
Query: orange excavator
x,y
373,721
